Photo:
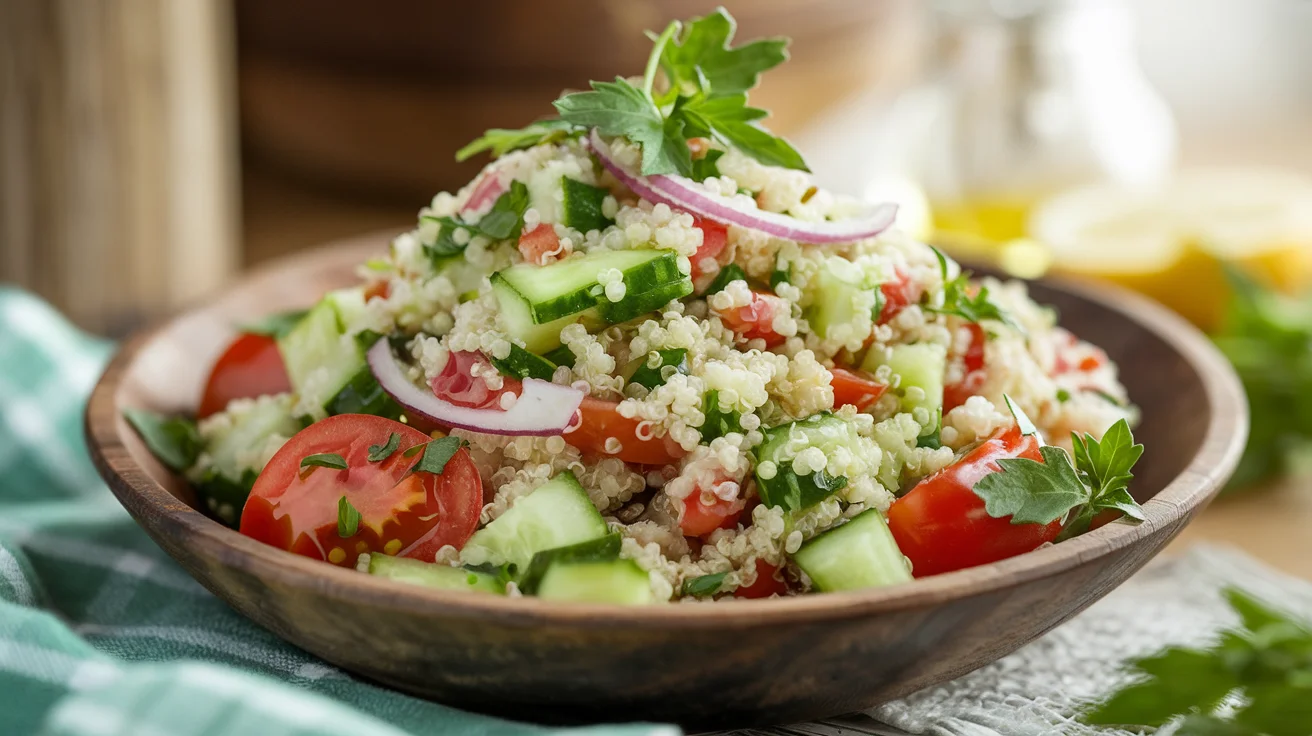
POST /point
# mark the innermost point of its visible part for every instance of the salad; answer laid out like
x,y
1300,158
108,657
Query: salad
x,y
641,358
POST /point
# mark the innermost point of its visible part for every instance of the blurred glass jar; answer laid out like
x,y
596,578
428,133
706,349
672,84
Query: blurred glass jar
x,y
1022,99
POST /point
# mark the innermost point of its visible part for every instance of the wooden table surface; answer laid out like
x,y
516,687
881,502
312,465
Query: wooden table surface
x,y
1270,522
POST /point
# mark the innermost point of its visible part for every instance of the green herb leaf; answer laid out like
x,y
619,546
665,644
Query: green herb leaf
x,y
932,438
965,300
174,440
1023,422
363,395
348,519
504,220
730,120
379,453
324,460
703,60
1177,681
727,275
703,586
620,109
436,455
707,166
501,141
718,422
274,325
1063,396
1032,492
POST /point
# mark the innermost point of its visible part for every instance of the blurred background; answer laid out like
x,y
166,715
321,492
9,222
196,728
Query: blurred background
x,y
150,150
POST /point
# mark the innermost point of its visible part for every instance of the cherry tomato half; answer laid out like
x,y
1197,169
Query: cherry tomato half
x,y
941,525
251,366
858,388
600,421
401,513
700,519
756,319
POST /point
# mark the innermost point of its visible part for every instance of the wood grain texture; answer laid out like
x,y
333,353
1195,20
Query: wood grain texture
x,y
729,664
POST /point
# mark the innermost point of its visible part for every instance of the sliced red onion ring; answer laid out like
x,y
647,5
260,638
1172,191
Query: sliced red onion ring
x,y
685,194
491,183
543,408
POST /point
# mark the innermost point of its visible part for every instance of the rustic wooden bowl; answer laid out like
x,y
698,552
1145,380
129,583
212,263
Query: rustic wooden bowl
x,y
730,664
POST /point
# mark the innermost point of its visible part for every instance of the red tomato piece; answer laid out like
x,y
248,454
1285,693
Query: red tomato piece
x,y
941,525
378,290
401,513
858,388
250,367
899,294
699,519
766,585
539,243
458,385
756,320
600,421
956,394
714,237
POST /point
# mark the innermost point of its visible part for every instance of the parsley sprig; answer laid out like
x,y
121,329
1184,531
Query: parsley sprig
x,y
504,220
1033,492
704,96
1267,662
965,300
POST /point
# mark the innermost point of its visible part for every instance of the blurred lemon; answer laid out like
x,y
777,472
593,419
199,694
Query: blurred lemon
x,y
1172,243
913,216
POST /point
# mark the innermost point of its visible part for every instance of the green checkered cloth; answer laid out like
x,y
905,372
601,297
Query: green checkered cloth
x,y
101,634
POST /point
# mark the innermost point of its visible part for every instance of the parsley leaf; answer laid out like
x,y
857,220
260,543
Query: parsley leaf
x,y
1267,663
707,166
324,460
501,141
379,453
348,519
274,325
702,61
620,109
703,585
174,440
965,300
436,455
503,221
731,120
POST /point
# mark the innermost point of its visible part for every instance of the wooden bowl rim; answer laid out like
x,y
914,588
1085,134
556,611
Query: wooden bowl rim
x,y
1211,465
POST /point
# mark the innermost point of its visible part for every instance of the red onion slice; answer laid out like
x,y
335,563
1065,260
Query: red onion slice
x,y
490,185
685,194
543,408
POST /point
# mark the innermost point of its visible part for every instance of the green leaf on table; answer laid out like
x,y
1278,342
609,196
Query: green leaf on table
x,y
174,440
1174,682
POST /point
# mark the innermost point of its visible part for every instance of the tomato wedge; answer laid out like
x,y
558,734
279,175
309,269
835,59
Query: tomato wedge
x,y
251,366
700,519
401,513
756,320
601,421
858,388
766,583
956,394
941,525
899,294
714,237
538,243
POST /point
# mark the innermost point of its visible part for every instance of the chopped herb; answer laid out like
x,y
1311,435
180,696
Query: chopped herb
x,y
649,378
1262,668
379,453
727,275
780,275
1063,395
274,325
505,219
436,455
1026,426
959,300
718,422
501,141
702,61
932,438
878,310
583,205
363,395
348,519
703,585
324,460
174,440
706,167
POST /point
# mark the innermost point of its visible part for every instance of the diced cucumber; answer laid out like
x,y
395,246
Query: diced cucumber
x,y
464,276
522,364
431,575
616,581
317,346
517,319
635,304
571,286
786,488
223,497
841,301
248,432
363,395
562,355
600,549
583,205
920,365
859,554
718,422
641,372
556,514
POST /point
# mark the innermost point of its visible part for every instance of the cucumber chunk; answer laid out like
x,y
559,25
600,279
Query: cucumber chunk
x,y
859,554
522,364
616,581
571,286
583,204
786,488
363,395
556,514
226,482
641,372
600,549
920,365
842,304
517,319
317,353
431,575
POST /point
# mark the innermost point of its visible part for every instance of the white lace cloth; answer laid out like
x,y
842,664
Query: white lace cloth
x,y
1036,690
